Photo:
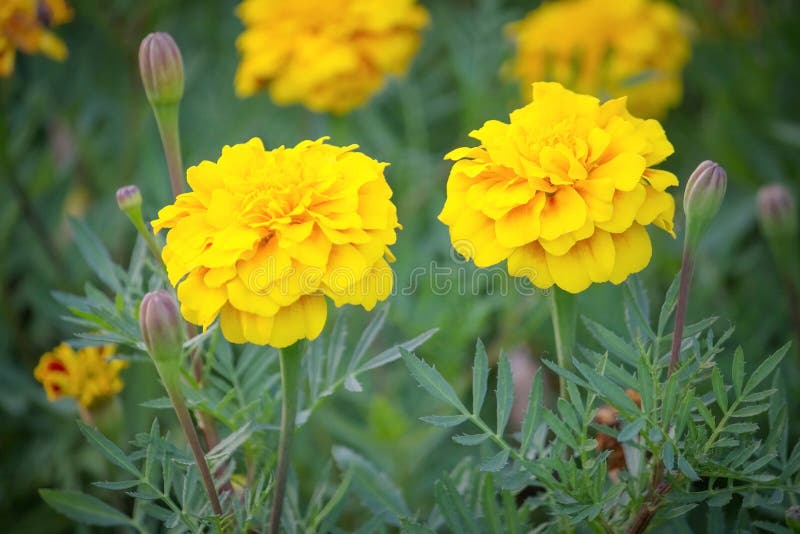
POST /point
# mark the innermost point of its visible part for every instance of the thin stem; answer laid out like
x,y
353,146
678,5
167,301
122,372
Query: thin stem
x,y
170,375
290,360
563,313
167,120
680,312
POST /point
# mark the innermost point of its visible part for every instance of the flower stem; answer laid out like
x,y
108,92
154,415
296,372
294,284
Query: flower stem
x,y
563,312
167,120
290,360
684,284
170,375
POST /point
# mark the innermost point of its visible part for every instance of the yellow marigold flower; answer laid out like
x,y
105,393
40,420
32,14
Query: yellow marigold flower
x,y
264,236
328,56
606,48
563,191
88,374
24,25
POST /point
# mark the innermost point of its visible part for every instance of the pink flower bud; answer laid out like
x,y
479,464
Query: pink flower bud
x,y
129,198
161,67
161,325
777,212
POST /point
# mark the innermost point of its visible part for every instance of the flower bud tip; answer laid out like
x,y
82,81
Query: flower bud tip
x,y
703,197
776,211
161,325
161,67
129,197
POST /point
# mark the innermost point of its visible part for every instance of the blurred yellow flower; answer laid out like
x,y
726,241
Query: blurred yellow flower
x,y
88,374
264,236
24,26
328,56
606,48
563,192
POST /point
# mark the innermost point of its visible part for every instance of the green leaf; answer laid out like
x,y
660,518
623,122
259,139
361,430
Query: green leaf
x,y
452,506
108,449
612,342
720,499
738,371
533,412
668,307
368,337
496,462
444,420
719,389
631,430
376,490
480,376
766,368
393,353
161,403
560,429
95,254
607,389
84,508
686,469
489,505
470,439
505,393
430,380
741,428
117,486
749,411
668,456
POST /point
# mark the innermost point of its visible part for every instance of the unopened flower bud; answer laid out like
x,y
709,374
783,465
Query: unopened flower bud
x,y
793,518
129,198
161,67
162,326
776,212
703,198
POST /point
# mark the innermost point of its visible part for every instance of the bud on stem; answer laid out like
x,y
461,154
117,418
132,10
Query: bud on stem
x,y
161,67
702,199
129,200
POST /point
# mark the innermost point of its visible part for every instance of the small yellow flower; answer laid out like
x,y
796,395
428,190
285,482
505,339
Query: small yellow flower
x,y
264,236
563,191
328,56
89,374
24,25
606,48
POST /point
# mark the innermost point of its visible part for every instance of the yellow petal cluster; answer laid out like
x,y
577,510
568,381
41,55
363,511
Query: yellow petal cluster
x,y
24,26
563,191
606,48
264,236
89,374
329,56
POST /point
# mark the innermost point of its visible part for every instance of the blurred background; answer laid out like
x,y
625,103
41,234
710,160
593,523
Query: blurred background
x,y
73,132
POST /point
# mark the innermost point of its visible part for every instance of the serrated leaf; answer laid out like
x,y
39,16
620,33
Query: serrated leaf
x,y
108,449
670,299
607,389
719,389
95,254
740,428
560,429
118,485
766,368
533,412
480,377
368,337
470,439
749,411
738,371
430,380
687,469
453,508
631,430
505,393
495,463
668,456
611,342
720,499
679,510
376,490
84,508
444,420
393,353
225,448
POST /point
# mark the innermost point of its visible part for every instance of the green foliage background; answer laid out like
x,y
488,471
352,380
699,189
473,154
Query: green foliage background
x,y
72,133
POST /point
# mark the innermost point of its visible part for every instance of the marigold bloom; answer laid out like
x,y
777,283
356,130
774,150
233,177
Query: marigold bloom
x,y
563,191
328,56
264,236
606,48
24,25
88,374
